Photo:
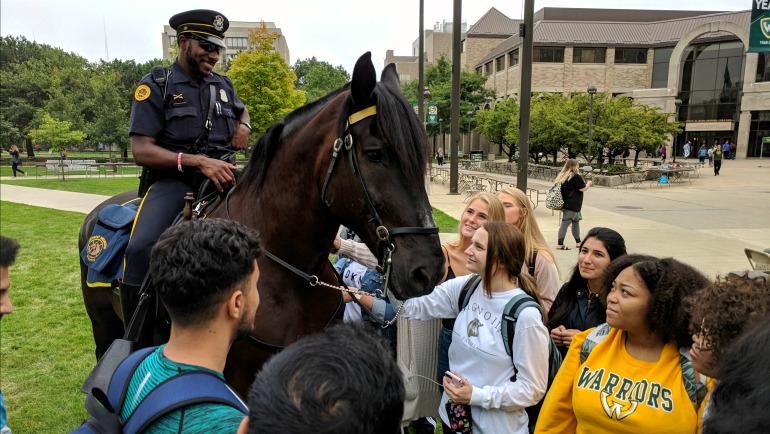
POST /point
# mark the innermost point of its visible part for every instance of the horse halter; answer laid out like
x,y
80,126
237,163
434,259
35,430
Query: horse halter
x,y
384,236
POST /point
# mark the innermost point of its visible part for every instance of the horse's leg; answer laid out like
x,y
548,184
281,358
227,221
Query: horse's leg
x,y
106,324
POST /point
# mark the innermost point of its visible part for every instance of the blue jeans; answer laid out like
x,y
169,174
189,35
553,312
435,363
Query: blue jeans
x,y
444,341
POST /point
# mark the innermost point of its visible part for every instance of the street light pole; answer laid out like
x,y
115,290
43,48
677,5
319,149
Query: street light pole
x,y
592,92
441,133
469,113
677,103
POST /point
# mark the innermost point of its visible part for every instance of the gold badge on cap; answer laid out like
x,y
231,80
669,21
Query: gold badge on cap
x,y
223,95
219,23
142,92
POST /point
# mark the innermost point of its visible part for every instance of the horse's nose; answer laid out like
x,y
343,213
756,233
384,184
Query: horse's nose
x,y
422,281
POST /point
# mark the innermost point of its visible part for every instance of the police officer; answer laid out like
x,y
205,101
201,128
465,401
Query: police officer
x,y
186,122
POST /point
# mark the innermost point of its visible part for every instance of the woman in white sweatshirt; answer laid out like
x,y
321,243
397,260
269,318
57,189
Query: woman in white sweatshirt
x,y
498,387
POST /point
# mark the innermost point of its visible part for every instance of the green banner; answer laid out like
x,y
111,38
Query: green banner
x,y
759,29
432,114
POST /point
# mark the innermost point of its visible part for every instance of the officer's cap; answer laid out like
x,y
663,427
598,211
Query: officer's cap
x,y
207,24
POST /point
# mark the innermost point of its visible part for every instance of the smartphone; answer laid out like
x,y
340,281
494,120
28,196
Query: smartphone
x,y
454,380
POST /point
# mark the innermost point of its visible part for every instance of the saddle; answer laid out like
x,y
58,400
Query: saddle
x,y
103,253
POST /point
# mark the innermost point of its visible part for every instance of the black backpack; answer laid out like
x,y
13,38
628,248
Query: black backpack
x,y
510,314
185,389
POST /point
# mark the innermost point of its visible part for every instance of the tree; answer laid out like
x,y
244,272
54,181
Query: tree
x,y
318,78
265,84
111,126
501,125
56,133
438,79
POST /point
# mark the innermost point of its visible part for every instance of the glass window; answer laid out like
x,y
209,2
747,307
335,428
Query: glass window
x,y
710,51
704,74
548,54
702,97
478,70
662,55
500,63
631,55
763,67
513,58
488,68
731,49
589,55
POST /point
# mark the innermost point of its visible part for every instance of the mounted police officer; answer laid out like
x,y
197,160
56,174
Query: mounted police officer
x,y
186,123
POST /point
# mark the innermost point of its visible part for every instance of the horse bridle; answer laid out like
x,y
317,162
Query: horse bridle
x,y
384,236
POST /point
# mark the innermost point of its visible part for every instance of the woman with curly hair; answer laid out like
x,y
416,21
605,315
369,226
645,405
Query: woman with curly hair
x,y
577,305
627,375
720,313
539,261
738,404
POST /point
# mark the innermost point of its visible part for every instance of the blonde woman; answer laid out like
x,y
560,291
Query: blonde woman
x,y
572,188
538,259
481,208
16,160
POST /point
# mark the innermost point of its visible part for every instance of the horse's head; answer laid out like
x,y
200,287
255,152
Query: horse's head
x,y
380,190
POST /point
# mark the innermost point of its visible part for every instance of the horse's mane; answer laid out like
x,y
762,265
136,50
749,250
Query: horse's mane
x,y
396,122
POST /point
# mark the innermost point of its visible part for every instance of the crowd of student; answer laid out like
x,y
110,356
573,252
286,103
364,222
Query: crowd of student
x,y
648,344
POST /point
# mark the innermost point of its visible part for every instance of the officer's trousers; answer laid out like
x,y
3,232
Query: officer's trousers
x,y
160,206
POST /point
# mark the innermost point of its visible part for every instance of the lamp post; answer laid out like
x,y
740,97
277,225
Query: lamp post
x,y
469,113
426,98
592,92
441,133
677,103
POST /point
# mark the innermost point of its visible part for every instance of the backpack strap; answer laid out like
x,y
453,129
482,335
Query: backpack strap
x,y
468,289
116,393
511,315
694,383
531,266
183,390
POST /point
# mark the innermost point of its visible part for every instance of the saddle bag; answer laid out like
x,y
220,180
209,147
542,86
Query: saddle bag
x,y
103,253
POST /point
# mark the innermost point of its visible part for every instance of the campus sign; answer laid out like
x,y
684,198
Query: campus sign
x,y
759,29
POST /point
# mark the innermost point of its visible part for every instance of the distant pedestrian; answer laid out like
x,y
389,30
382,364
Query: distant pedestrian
x,y
718,155
663,152
726,149
732,150
702,154
572,188
16,160
440,156
710,154
686,151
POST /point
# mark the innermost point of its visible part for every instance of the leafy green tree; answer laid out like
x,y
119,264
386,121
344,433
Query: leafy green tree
x,y
501,125
56,133
438,79
265,84
9,134
318,78
109,127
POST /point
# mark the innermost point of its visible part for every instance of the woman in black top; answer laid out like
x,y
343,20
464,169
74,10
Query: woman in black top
x,y
577,307
572,188
16,161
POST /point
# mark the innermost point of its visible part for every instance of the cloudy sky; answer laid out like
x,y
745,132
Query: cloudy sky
x,y
336,31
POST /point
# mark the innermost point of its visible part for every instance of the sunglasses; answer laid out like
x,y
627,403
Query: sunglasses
x,y
204,44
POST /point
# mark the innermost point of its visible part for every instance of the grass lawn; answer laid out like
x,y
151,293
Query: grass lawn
x,y
104,186
445,223
46,348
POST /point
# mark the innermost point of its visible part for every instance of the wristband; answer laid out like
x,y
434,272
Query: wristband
x,y
246,124
179,162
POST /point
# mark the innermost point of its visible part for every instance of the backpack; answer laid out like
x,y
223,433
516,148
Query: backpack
x,y
187,388
553,199
510,314
696,387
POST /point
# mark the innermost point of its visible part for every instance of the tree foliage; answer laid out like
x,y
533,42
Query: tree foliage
x,y
501,125
265,84
317,78
438,80
56,133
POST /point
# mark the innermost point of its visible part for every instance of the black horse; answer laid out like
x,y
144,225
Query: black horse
x,y
356,157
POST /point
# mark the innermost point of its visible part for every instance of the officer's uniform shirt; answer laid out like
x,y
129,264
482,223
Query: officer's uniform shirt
x,y
176,124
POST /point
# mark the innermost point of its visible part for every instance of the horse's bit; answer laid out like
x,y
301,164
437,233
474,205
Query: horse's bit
x,y
384,236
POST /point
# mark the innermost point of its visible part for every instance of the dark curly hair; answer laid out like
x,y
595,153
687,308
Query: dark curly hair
x,y
739,400
196,264
725,307
8,250
669,282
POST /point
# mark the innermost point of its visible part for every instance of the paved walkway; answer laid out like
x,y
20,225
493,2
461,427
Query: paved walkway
x,y
706,224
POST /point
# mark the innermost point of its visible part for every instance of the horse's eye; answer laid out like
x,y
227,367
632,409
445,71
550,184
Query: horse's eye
x,y
375,156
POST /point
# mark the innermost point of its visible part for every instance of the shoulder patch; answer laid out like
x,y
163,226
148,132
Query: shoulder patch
x,y
142,92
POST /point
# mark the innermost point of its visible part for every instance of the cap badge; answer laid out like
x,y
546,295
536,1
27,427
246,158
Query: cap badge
x,y
219,23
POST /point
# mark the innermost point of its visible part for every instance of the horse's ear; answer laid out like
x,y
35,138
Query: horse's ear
x,y
390,76
364,79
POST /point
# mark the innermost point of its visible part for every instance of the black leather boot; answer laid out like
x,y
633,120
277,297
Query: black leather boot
x,y
129,299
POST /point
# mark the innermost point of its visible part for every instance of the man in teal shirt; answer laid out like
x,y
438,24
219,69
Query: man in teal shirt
x,y
8,250
205,273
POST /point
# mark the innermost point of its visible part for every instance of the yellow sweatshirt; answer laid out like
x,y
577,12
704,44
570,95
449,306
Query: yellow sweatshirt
x,y
614,393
